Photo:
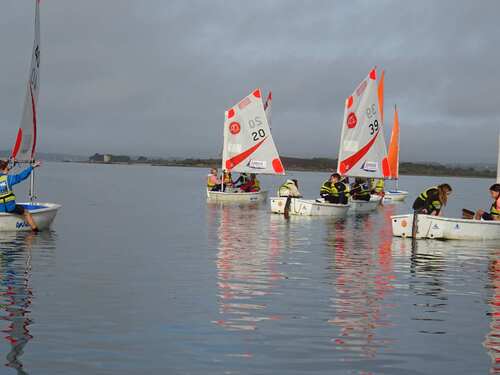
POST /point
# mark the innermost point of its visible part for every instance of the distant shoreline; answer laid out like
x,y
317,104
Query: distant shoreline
x,y
314,165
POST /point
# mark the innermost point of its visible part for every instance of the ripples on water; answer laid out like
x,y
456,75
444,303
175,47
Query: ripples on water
x,y
343,295
197,288
16,292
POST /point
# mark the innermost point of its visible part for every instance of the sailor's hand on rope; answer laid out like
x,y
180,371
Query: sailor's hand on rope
x,y
36,163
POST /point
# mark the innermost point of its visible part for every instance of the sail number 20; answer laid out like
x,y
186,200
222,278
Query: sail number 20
x,y
258,134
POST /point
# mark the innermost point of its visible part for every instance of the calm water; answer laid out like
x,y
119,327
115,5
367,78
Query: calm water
x,y
140,275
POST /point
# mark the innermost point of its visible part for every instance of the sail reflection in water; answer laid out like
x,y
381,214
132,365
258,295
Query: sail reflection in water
x,y
16,294
246,268
362,267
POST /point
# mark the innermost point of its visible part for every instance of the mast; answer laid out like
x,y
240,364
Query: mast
x,y
498,161
33,85
25,146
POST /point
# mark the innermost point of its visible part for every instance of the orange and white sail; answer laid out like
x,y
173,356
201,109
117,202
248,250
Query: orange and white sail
x,y
248,143
362,151
393,153
381,95
24,147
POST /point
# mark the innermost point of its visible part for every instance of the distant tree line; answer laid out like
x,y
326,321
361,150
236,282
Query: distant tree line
x,y
302,164
109,158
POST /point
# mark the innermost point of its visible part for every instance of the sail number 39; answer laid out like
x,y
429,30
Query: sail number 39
x,y
371,111
373,127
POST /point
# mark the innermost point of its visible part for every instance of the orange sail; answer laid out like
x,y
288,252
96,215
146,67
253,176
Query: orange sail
x,y
381,96
393,154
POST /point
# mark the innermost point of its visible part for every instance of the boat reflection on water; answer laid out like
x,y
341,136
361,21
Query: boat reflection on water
x,y
492,339
363,276
247,261
16,294
427,282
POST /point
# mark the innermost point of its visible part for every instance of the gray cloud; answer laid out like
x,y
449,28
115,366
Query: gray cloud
x,y
154,77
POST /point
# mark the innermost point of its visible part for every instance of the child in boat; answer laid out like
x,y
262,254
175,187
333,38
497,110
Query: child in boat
x,y
432,200
333,190
242,180
7,196
227,179
360,189
252,185
494,213
290,189
377,186
213,182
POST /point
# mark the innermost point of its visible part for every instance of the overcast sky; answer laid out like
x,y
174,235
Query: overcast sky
x,y
154,77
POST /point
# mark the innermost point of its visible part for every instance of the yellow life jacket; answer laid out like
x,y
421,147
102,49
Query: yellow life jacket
x,y
6,194
494,210
379,185
256,185
329,188
210,183
227,179
284,190
347,190
361,190
433,205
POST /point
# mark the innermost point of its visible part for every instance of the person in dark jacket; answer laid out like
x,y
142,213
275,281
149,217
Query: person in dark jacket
x,y
494,213
333,190
360,189
432,200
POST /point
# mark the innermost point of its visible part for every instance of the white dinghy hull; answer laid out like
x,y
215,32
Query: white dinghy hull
x,y
308,207
436,227
395,196
43,215
365,206
233,196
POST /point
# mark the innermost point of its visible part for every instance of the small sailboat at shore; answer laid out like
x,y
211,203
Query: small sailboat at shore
x,y
394,195
24,148
444,228
362,151
248,147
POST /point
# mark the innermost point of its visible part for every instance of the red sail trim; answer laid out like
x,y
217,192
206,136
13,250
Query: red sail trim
x,y
268,100
237,159
17,145
348,163
33,107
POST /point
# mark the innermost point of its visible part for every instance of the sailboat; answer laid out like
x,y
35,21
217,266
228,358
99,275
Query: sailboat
x,y
24,148
248,147
362,151
444,228
394,195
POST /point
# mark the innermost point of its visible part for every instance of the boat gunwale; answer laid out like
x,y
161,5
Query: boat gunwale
x,y
47,207
451,219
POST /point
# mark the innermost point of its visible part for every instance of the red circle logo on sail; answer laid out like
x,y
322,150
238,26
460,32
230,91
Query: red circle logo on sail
x,y
351,120
234,128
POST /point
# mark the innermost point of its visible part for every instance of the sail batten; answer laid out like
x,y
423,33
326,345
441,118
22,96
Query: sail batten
x,y
25,146
362,151
248,143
